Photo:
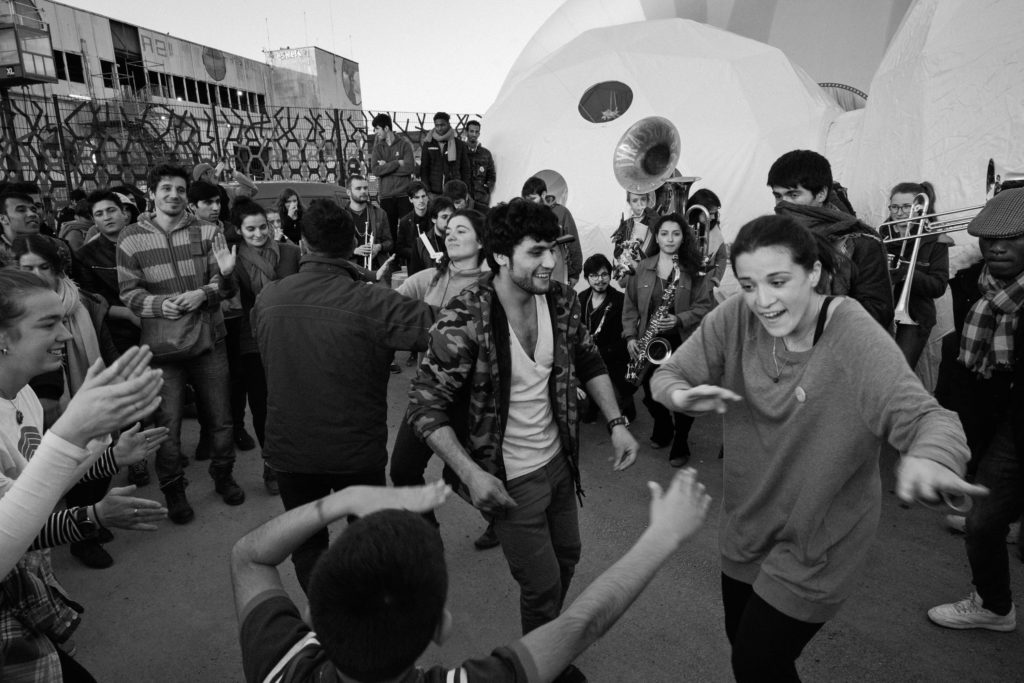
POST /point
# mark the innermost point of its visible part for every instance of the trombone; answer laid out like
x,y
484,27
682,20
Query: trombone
x,y
919,211
939,227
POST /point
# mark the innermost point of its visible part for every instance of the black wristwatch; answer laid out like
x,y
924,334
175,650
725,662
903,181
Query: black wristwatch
x,y
615,422
85,525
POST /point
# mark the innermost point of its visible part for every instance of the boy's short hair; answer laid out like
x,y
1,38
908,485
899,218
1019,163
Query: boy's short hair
x,y
455,190
166,171
414,187
439,204
377,596
328,229
103,196
595,263
509,224
442,116
381,121
202,191
708,199
802,167
242,208
352,177
534,185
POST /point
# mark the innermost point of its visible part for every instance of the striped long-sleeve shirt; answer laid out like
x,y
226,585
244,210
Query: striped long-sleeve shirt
x,y
146,275
60,527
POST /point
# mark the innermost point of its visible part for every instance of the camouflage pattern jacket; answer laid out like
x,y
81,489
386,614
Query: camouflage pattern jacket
x,y
464,380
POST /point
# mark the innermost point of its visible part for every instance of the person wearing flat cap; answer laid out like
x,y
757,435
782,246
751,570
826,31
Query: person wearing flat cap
x,y
986,386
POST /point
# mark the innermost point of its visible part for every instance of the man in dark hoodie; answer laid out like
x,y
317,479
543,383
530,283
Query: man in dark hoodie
x,y
801,182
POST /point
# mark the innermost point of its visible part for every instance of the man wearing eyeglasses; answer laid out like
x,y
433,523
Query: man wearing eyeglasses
x,y
801,182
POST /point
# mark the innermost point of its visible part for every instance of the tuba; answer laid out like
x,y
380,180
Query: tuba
x,y
645,157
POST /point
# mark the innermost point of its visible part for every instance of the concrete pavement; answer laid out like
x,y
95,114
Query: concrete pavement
x,y
164,611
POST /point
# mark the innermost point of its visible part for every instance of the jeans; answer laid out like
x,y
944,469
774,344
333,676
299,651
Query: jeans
x,y
541,540
255,381
208,375
1002,471
765,642
236,371
297,489
668,426
395,208
409,459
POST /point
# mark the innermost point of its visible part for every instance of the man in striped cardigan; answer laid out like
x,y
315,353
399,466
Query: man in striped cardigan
x,y
170,264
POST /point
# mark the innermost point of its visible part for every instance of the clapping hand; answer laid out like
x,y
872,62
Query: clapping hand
x,y
135,444
110,398
123,511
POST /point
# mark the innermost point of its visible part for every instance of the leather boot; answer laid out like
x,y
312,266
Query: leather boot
x,y
178,509
227,487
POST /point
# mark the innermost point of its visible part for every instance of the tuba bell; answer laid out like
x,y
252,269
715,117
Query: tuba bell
x,y
646,155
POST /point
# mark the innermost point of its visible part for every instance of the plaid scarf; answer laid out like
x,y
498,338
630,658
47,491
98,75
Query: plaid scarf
x,y
987,340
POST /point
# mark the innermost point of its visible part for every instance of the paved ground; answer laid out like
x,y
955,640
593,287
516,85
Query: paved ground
x,y
164,611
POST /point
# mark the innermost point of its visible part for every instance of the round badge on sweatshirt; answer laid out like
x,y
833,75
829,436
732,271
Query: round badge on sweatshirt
x,y
801,395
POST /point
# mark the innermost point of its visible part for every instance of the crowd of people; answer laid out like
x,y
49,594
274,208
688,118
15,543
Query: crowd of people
x,y
137,306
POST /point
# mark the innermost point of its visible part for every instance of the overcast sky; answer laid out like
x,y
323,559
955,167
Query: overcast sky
x,y
414,55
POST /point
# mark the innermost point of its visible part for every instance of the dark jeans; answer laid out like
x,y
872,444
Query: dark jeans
x,y
668,426
236,372
395,208
208,375
409,459
912,339
1002,471
297,489
765,642
541,540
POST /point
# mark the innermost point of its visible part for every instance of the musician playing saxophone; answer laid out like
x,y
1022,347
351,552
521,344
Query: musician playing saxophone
x,y
677,262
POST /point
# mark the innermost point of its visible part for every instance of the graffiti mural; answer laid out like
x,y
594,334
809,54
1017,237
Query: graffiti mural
x,y
62,144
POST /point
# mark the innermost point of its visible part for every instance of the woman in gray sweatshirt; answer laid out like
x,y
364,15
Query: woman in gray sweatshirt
x,y
811,388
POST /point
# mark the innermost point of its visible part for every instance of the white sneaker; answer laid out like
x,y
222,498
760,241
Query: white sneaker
x,y
968,613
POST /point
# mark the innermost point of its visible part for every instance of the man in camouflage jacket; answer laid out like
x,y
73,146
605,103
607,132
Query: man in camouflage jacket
x,y
465,403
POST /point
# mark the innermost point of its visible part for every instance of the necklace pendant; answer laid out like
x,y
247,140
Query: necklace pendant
x,y
19,417
775,379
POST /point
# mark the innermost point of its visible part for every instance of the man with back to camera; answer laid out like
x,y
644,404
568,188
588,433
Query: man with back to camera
x,y
511,346
801,182
392,161
444,156
150,255
481,163
378,596
326,341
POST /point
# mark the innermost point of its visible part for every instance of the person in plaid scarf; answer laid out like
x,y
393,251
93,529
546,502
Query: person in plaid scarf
x,y
989,397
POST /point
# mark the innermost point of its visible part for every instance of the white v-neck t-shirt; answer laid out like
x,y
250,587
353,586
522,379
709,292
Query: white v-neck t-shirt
x,y
531,436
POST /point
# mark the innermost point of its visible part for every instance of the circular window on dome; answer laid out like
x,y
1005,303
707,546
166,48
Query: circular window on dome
x,y
605,101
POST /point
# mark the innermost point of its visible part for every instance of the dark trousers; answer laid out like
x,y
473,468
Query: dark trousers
x,y
1002,472
912,339
255,385
208,375
395,208
409,459
668,426
765,642
541,540
236,372
297,489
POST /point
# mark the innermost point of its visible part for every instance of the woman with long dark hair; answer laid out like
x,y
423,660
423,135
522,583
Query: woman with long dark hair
x,y
677,265
261,259
289,208
811,387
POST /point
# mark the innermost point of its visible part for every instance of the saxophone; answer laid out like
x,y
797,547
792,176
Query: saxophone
x,y
630,254
654,350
